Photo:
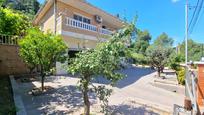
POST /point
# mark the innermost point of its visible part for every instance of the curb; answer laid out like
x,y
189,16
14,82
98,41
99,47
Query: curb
x,y
17,97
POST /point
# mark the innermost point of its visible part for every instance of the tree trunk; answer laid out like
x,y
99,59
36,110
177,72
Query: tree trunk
x,y
85,96
86,102
159,72
42,81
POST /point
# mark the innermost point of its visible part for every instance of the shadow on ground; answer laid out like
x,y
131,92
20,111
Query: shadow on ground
x,y
59,101
130,110
132,74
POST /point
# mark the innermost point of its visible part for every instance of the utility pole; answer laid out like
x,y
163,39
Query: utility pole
x,y
186,33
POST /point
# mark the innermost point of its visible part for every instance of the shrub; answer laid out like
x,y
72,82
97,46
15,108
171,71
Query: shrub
x,y
181,75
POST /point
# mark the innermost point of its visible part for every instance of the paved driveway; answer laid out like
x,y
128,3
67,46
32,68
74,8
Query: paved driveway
x,y
133,95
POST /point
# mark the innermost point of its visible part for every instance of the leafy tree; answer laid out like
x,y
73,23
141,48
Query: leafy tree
x,y
13,23
158,57
142,41
164,41
1,2
103,60
175,60
42,50
194,50
29,7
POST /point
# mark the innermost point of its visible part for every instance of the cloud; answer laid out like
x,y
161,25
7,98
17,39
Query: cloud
x,y
174,1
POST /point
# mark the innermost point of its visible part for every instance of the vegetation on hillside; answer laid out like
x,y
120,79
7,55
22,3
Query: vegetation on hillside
x,y
28,7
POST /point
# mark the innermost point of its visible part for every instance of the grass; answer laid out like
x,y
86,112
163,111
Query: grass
x,y
7,106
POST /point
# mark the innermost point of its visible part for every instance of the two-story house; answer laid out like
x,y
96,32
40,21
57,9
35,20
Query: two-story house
x,y
81,24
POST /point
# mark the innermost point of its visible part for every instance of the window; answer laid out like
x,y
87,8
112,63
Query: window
x,y
82,19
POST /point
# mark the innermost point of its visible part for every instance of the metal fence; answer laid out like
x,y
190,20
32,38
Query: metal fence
x,y
9,39
190,89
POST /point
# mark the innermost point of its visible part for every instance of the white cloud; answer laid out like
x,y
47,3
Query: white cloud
x,y
174,1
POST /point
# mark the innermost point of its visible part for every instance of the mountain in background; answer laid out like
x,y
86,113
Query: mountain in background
x,y
29,7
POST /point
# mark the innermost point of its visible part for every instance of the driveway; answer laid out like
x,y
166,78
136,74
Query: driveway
x,y
132,95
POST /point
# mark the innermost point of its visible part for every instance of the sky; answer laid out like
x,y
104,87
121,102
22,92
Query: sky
x,y
156,16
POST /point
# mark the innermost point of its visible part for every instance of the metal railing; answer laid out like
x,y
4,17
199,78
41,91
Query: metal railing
x,y
84,26
191,85
190,91
9,39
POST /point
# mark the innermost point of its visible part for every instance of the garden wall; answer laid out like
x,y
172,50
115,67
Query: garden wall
x,y
10,62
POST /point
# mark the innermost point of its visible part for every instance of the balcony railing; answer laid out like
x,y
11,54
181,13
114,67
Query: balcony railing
x,y
105,31
8,39
78,24
84,26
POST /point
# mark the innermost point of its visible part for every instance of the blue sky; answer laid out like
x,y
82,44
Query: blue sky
x,y
156,16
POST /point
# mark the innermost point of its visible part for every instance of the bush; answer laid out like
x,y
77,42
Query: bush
x,y
139,58
181,75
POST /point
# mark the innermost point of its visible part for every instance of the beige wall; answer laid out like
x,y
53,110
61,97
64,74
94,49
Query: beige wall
x,y
76,43
47,22
10,62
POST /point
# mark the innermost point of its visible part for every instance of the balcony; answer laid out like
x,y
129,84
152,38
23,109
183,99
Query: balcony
x,y
84,26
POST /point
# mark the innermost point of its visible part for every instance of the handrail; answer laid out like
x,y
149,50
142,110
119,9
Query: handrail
x,y
105,31
191,88
9,39
81,25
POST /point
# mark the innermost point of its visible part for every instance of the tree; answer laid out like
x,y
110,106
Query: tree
x,y
142,41
158,57
29,7
1,2
42,50
194,50
164,41
12,22
103,60
159,52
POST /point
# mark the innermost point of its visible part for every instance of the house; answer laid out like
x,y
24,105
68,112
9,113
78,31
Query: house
x,y
80,24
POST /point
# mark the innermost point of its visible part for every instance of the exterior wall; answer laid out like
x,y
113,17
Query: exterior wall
x,y
74,43
200,86
10,62
47,22
69,11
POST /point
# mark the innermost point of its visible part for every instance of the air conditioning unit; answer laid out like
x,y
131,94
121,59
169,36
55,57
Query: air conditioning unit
x,y
98,19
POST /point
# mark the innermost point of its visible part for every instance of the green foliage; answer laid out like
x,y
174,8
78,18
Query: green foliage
x,y
164,41
103,60
159,52
175,60
1,2
181,75
28,7
42,50
139,58
13,23
194,50
142,42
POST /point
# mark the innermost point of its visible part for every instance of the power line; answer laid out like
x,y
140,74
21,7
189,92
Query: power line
x,y
195,16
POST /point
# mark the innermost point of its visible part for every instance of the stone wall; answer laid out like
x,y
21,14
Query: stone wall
x,y
10,62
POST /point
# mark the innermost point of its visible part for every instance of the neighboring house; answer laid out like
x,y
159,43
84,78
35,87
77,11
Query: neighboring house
x,y
81,24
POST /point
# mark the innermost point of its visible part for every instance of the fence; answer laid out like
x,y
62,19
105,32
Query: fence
x,y
9,39
190,89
